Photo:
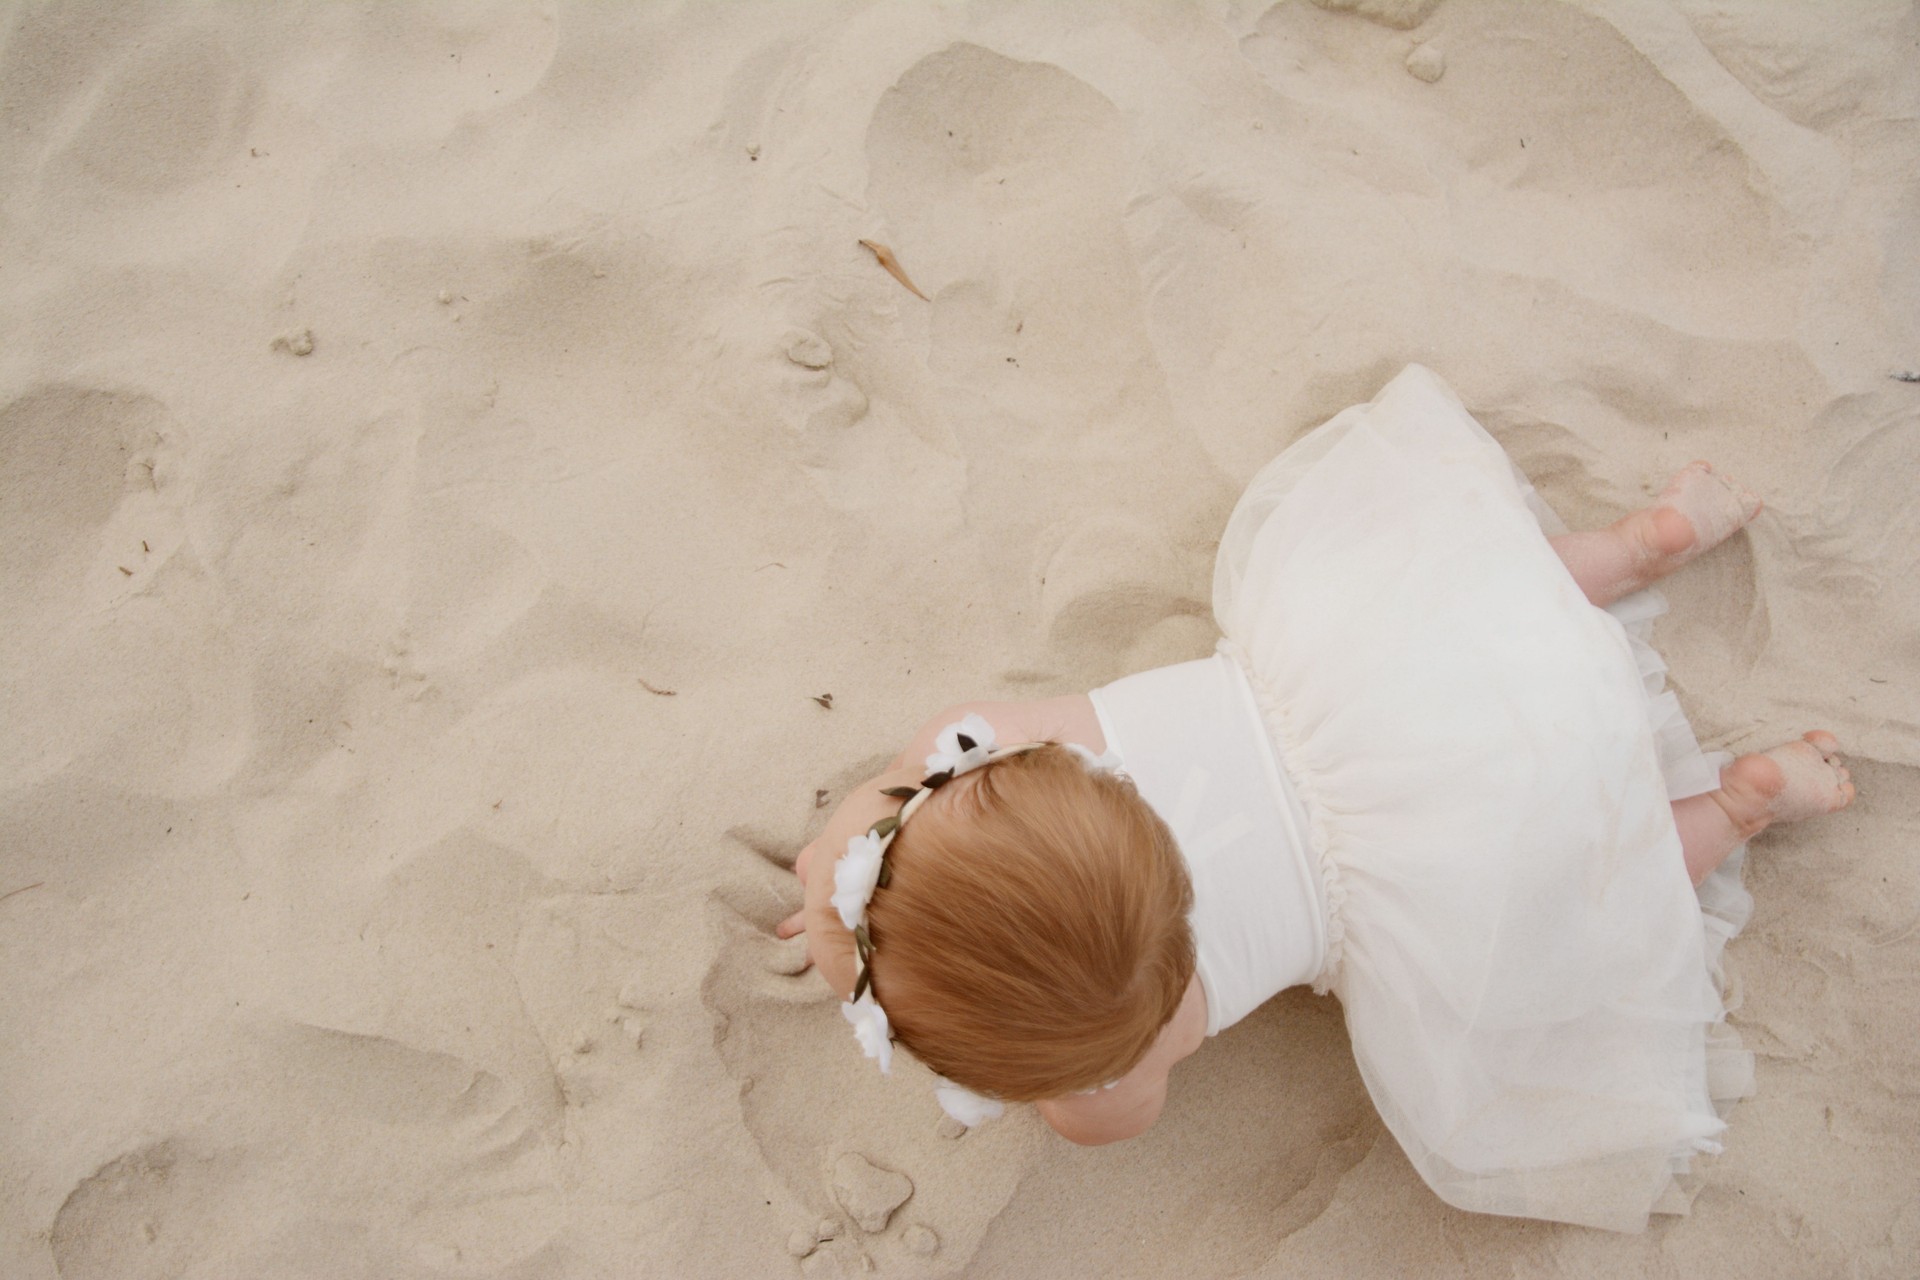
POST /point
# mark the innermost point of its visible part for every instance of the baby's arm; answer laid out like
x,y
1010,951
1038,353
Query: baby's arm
x,y
1130,1107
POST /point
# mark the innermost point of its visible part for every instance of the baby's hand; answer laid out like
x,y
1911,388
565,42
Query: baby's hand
x,y
796,924
831,949
792,927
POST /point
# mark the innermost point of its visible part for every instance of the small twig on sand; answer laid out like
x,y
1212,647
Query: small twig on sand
x,y
885,257
660,693
22,889
824,699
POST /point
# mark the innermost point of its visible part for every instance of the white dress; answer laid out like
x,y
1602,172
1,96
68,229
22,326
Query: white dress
x,y
1483,764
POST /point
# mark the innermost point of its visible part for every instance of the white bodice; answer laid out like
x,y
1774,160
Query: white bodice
x,y
1191,738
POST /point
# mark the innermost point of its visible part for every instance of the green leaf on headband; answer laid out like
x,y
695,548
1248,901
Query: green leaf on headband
x,y
861,983
886,875
862,941
885,827
934,781
901,793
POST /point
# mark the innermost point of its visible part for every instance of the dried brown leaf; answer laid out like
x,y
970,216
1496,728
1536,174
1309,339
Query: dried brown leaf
x,y
885,257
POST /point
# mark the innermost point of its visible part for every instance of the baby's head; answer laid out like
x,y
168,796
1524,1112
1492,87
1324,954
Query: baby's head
x,y
1032,938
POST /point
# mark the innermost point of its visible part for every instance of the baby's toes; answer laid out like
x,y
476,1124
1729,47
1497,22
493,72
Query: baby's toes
x,y
1712,504
1686,479
1816,780
1842,790
1749,501
1839,791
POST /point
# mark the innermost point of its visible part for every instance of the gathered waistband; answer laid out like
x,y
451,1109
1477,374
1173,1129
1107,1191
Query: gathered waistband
x,y
1294,783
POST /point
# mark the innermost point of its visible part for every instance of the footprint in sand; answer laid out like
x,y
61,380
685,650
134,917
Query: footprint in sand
x,y
96,482
168,116
1114,580
111,620
1001,185
483,61
276,1172
135,1216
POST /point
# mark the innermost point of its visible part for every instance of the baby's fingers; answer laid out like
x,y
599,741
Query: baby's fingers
x,y
792,925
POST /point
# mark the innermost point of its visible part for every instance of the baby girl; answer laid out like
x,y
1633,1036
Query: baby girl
x,y
1432,769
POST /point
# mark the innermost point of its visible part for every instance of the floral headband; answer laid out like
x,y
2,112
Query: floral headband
x,y
960,748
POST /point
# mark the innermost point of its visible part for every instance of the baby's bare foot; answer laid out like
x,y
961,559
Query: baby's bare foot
x,y
1697,511
1792,781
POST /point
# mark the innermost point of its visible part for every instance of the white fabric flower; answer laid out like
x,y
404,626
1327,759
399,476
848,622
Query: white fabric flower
x,y
1107,763
870,1028
946,748
966,1106
855,874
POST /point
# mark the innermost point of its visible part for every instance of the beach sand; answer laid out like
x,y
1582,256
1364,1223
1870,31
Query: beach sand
x,y
449,456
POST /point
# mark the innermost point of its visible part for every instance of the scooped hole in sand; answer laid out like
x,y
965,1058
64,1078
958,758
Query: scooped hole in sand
x,y
867,1192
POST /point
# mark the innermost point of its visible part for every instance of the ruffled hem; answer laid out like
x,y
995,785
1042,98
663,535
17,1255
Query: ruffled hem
x,y
1725,902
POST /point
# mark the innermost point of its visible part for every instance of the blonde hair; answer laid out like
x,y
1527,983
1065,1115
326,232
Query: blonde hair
x,y
1032,938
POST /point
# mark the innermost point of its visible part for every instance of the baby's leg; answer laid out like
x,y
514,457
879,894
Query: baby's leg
x,y
1793,781
1698,510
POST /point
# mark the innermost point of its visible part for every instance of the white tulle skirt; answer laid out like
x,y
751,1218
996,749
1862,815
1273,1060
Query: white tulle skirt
x,y
1531,983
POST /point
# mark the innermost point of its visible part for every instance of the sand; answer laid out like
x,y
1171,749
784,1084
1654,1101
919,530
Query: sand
x,y
449,455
